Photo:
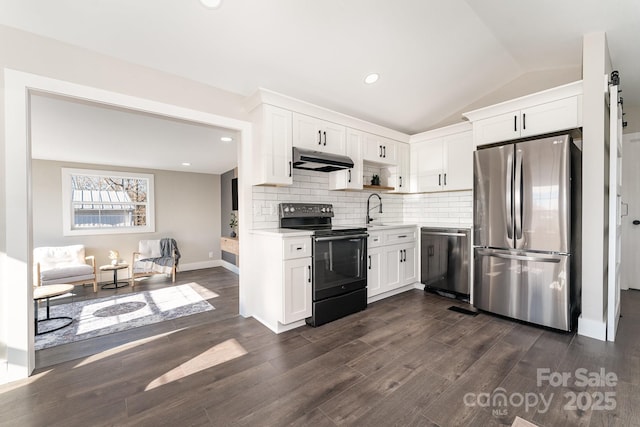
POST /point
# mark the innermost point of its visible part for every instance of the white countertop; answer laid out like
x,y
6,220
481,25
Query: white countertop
x,y
388,226
290,232
445,225
282,232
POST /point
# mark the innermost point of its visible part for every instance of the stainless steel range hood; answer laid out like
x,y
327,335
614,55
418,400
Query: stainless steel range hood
x,y
319,161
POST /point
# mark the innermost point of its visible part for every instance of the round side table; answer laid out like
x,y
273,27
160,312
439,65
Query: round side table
x,y
46,292
115,284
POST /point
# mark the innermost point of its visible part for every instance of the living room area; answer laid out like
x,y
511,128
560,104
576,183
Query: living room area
x,y
85,157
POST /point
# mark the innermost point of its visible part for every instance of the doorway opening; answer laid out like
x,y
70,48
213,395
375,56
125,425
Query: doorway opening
x,y
19,91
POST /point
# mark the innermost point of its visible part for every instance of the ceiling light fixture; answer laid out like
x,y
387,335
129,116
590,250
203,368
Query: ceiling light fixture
x,y
186,164
226,139
371,78
211,4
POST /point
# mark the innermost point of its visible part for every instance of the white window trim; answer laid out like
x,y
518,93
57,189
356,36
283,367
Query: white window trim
x,y
67,229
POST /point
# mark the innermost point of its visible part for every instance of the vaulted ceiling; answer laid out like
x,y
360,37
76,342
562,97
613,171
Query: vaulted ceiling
x,y
434,57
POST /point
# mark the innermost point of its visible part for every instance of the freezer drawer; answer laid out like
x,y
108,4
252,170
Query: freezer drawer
x,y
528,286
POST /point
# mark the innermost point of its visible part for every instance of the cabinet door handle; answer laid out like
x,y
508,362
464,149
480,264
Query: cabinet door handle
x,y
349,174
369,262
400,255
325,138
384,151
380,146
290,169
515,123
400,181
524,121
309,279
404,255
439,179
445,179
319,137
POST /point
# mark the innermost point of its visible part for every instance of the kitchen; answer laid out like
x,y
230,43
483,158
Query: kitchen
x,y
426,181
436,207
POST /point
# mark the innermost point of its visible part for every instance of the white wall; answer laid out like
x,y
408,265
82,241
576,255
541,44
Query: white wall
x,y
187,208
100,77
596,63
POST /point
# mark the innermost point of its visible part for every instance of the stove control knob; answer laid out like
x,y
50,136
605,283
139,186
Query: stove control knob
x,y
329,209
292,209
322,210
286,208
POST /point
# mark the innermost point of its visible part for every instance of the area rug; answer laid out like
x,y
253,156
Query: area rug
x,y
96,317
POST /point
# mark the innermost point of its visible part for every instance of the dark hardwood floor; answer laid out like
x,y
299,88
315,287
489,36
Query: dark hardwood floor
x,y
405,361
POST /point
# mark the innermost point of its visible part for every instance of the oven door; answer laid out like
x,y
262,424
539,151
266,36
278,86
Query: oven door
x,y
338,265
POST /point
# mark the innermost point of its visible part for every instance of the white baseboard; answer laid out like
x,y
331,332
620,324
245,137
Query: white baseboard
x,y
231,267
592,328
199,265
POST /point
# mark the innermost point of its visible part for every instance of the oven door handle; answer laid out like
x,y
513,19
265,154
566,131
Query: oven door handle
x,y
342,237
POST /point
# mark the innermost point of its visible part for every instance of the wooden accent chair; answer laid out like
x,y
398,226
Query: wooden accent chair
x,y
64,264
159,256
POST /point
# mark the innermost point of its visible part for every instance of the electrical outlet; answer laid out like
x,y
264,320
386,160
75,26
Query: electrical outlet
x,y
210,255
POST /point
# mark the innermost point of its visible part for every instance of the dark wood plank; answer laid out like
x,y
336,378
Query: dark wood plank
x,y
406,360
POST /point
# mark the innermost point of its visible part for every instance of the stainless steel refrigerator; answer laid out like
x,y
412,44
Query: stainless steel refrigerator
x,y
527,224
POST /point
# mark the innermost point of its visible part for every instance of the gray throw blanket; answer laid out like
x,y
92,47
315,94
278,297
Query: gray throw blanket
x,y
167,247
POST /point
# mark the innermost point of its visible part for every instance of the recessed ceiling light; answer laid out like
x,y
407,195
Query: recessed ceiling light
x,y
371,78
226,139
186,164
211,4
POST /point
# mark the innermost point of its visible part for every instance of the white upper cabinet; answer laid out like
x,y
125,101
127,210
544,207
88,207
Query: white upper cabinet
x,y
458,152
318,135
543,112
379,149
400,178
273,160
350,179
442,160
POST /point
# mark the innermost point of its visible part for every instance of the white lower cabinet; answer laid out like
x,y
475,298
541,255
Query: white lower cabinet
x,y
281,283
297,290
374,272
393,265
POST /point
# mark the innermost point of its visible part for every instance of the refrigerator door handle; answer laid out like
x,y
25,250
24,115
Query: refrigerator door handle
x,y
519,257
518,196
508,198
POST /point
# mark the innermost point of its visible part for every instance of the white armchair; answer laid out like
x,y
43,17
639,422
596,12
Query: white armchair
x,y
64,264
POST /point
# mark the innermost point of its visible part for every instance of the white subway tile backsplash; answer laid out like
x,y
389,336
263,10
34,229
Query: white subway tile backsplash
x,y
350,206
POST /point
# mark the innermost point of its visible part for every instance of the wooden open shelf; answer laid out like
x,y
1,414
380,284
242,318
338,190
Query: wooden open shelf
x,y
378,187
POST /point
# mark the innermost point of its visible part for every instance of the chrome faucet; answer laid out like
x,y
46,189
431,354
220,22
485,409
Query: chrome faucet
x,y
369,219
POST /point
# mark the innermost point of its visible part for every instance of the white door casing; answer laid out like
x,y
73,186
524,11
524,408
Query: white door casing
x,y
630,253
615,223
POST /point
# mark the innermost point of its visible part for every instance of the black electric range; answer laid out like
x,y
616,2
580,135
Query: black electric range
x,y
339,275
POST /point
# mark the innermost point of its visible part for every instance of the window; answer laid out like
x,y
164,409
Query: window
x,y
106,202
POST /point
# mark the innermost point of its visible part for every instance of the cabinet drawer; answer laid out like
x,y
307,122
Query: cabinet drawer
x,y
296,247
375,240
401,235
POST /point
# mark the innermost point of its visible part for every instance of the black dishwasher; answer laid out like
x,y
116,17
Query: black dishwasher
x,y
445,261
